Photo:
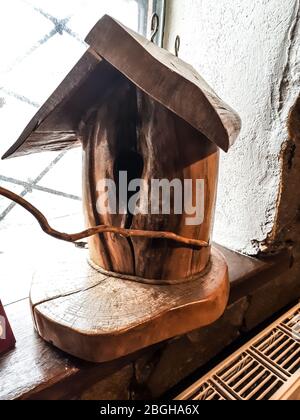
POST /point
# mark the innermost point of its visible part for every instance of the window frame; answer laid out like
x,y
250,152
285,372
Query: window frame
x,y
146,10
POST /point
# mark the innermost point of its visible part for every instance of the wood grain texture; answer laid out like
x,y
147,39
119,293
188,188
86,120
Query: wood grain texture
x,y
32,364
55,126
136,134
135,108
170,150
165,78
36,370
99,318
107,131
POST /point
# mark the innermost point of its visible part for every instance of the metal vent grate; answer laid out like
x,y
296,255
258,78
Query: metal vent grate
x,y
292,324
208,392
281,350
259,370
248,379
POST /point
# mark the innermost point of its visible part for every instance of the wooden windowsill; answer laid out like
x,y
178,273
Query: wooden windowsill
x,y
36,370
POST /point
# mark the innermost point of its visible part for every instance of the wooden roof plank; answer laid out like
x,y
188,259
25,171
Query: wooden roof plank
x,y
26,142
167,79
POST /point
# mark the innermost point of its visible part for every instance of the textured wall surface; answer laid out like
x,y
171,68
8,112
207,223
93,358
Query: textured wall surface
x,y
249,53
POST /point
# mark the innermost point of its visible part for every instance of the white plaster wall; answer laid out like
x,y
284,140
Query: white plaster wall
x,y
248,51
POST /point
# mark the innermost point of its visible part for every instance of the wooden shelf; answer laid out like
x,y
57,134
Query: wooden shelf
x,y
36,370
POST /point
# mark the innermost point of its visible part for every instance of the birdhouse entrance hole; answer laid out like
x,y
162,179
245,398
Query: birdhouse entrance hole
x,y
132,163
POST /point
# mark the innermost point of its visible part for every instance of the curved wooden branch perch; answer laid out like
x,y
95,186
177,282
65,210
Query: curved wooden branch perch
x,y
74,237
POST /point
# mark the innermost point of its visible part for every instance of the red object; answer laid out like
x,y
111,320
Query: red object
x,y
7,339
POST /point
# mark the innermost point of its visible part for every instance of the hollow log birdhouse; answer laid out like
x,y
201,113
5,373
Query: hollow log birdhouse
x,y
150,129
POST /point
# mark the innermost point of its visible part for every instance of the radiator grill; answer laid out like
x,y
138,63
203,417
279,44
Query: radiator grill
x,y
248,379
281,350
259,370
208,392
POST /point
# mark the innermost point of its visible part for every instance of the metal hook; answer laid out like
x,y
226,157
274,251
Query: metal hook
x,y
177,45
154,26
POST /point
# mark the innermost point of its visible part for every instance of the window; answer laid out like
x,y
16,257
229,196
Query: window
x,y
40,41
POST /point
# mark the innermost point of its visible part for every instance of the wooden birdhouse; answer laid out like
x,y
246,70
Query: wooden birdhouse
x,y
147,122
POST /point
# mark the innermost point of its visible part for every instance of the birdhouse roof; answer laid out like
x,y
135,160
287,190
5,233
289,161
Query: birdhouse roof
x,y
116,51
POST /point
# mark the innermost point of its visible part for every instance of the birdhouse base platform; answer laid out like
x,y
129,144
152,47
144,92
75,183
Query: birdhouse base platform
x,y
99,318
